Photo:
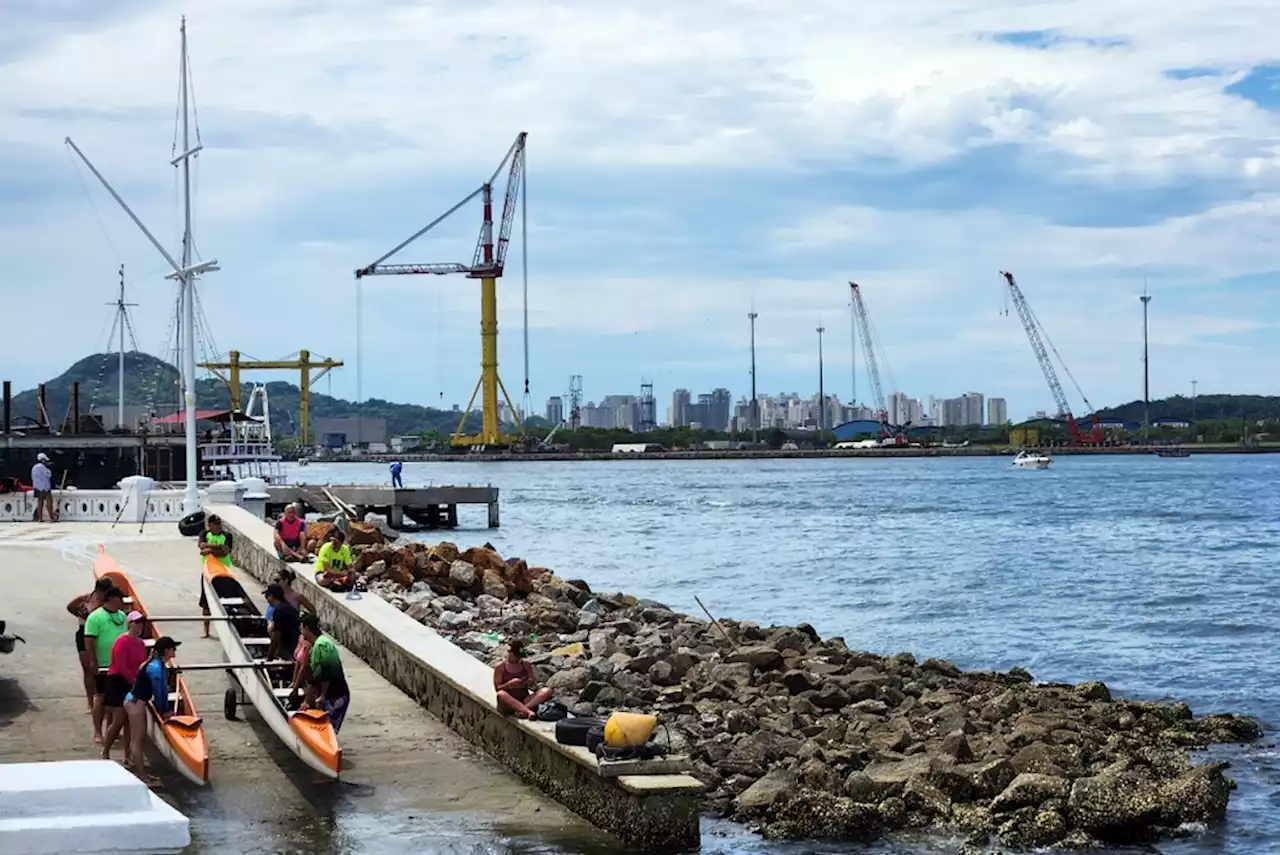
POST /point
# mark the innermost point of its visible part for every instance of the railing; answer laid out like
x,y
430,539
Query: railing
x,y
108,506
210,452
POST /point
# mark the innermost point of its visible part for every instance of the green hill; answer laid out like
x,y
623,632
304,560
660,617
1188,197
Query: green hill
x,y
153,382
1206,408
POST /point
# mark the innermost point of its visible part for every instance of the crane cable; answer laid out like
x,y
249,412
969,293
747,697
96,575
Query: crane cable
x,y
524,263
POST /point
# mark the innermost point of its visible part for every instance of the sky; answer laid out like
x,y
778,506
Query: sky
x,y
687,164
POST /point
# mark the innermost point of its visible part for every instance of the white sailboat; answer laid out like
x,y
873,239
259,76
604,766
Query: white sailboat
x,y
184,272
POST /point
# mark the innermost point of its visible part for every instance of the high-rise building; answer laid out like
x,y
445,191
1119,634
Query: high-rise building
x,y
720,407
973,408
680,408
555,409
997,411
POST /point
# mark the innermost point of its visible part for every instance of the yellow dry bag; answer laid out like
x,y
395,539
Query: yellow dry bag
x,y
628,730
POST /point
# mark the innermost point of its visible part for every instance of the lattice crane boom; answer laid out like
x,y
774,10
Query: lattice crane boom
x,y
487,265
869,352
1032,327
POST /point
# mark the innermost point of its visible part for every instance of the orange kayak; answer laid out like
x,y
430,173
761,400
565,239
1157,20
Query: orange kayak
x,y
307,733
180,738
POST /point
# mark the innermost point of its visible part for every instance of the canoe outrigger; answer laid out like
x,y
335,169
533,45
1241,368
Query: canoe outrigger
x,y
180,738
242,632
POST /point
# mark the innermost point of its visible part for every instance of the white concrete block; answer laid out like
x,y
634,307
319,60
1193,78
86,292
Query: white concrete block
x,y
89,806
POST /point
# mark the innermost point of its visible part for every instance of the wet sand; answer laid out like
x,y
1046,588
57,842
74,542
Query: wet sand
x,y
409,784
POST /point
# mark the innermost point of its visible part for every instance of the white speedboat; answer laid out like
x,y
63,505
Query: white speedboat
x,y
1032,460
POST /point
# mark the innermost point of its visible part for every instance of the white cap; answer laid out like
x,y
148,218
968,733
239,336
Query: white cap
x,y
42,457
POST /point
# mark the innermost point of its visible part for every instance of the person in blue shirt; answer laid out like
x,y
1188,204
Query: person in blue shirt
x,y
151,686
396,481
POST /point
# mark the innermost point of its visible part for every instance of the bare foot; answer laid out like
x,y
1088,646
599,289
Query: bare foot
x,y
106,753
97,739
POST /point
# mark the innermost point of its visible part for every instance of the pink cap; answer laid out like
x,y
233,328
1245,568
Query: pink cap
x,y
136,615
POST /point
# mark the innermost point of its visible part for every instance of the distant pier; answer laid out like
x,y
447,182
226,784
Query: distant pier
x,y
429,507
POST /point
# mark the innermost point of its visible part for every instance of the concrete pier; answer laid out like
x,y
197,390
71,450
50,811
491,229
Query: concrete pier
x,y
650,812
429,507
409,782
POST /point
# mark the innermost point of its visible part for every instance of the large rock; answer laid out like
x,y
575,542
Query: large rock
x,y
494,585
761,796
483,559
818,815
761,657
569,680
736,674
462,575
1198,795
1117,808
1029,790
364,534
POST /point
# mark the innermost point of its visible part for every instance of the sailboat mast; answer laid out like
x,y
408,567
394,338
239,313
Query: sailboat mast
x,y
191,499
120,319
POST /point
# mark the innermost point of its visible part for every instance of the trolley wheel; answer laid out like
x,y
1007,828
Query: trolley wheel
x,y
229,703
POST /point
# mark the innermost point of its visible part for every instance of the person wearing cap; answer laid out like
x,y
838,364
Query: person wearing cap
x,y
101,629
150,687
81,607
128,655
328,688
216,542
42,487
283,623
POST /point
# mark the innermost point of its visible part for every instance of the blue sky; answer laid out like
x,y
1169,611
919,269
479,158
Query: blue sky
x,y
686,163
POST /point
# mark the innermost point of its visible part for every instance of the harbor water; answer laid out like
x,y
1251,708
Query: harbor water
x,y
1153,575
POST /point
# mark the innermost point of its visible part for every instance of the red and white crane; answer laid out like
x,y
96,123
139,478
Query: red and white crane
x,y
1038,337
870,346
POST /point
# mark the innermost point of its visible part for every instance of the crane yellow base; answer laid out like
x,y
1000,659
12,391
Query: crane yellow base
x,y
489,384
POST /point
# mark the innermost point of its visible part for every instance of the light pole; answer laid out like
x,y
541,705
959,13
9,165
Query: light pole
x,y
1193,400
1146,371
822,395
755,401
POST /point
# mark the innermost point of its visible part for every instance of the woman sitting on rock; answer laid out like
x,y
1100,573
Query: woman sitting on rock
x,y
513,680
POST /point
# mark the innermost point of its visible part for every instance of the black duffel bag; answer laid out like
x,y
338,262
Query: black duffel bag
x,y
573,730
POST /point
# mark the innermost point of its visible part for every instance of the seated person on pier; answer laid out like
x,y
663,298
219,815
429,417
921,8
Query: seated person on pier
x,y
290,536
333,564
513,680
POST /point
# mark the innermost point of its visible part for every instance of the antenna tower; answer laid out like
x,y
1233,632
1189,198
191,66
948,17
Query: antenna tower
x,y
575,401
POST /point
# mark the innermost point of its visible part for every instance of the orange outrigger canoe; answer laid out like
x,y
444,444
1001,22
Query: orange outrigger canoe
x,y
180,738
307,733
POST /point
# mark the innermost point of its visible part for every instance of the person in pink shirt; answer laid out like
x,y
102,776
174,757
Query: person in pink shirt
x,y
127,656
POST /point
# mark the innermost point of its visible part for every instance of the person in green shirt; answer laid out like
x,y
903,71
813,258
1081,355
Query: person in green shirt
x,y
328,688
101,629
333,564
217,542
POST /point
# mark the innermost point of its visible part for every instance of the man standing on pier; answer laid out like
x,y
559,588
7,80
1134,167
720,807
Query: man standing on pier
x,y
101,629
397,483
42,488
217,543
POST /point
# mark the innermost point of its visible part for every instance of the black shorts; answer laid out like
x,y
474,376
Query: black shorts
x,y
99,683
80,639
204,598
117,687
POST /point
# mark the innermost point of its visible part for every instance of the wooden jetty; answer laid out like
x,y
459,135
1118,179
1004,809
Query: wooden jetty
x,y
429,507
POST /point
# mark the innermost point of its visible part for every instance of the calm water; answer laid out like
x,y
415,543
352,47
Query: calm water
x,y
1154,575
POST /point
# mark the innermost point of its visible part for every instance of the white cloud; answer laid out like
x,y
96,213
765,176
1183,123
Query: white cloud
x,y
325,121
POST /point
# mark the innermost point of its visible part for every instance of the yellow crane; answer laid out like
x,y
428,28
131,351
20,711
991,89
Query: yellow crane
x,y
304,365
487,266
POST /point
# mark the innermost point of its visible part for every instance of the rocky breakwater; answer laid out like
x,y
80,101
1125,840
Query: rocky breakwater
x,y
802,737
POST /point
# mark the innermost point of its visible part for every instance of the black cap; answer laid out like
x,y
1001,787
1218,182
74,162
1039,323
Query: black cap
x,y
274,590
164,643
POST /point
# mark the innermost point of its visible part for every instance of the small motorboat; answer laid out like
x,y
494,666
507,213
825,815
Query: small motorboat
x,y
265,685
1172,452
179,738
1032,460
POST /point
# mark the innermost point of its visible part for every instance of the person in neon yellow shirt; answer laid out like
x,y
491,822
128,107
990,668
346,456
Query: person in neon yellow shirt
x,y
333,564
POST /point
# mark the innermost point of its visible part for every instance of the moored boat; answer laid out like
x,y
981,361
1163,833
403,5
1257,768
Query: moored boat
x,y
307,733
179,738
